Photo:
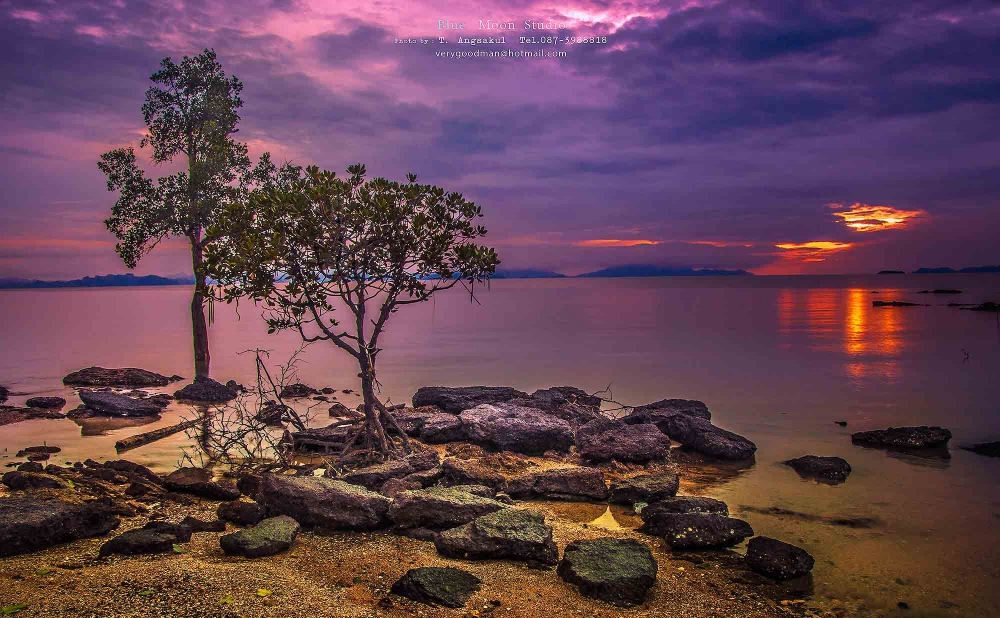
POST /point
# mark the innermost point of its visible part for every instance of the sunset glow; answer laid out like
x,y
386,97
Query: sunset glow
x,y
615,242
869,218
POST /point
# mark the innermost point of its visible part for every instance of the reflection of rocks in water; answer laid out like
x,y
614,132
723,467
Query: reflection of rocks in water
x,y
844,521
101,425
699,472
598,515
937,457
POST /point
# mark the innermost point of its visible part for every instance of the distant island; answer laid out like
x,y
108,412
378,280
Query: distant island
x,y
892,272
944,270
527,273
651,270
99,281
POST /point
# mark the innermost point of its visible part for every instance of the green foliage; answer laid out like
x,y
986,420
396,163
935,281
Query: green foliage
x,y
317,239
13,609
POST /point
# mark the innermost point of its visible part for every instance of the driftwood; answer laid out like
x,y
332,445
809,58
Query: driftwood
x,y
142,439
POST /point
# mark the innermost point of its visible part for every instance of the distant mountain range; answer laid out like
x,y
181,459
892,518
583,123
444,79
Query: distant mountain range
x,y
944,270
527,273
100,281
652,270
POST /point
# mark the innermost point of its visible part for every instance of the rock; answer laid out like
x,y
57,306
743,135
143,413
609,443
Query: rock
x,y
777,559
128,376
293,391
248,484
425,459
241,512
477,490
697,531
441,428
438,508
199,481
325,504
455,400
652,514
516,428
616,571
425,478
830,469
46,403
513,534
29,524
841,423
4,393
197,525
560,484
269,537
394,487
893,303
133,469
989,307
30,466
375,476
471,472
644,488
36,450
410,420
700,435
606,440
140,541
180,532
989,449
272,413
665,408
904,437
557,396
445,586
206,390
32,480
464,450
113,404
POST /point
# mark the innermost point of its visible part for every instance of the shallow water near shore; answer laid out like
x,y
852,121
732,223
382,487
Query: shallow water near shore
x,y
778,359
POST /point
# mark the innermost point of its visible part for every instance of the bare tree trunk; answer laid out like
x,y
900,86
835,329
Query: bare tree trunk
x,y
199,325
375,432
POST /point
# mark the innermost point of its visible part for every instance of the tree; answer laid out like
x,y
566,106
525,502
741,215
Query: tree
x,y
322,244
191,112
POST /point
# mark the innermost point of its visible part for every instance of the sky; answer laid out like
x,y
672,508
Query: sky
x,y
780,137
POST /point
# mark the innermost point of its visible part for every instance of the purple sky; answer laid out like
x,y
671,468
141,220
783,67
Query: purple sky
x,y
706,134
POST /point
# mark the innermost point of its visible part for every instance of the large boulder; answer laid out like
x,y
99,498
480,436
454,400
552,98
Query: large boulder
x,y
556,396
441,428
29,524
446,586
374,476
199,481
777,559
439,508
605,440
142,541
46,403
20,480
128,376
457,399
513,534
516,428
904,437
617,571
206,390
697,531
241,512
114,404
471,472
665,408
269,537
586,484
411,420
828,469
654,516
644,488
325,504
700,435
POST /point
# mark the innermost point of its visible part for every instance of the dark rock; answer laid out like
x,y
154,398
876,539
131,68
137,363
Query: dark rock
x,y
31,466
248,484
181,532
904,437
987,307
34,450
394,487
605,439
697,531
471,472
653,514
129,376
617,571
841,423
4,393
560,395
325,504
439,508
939,292
560,484
477,490
644,488
197,525
989,449
513,534
424,478
139,490
516,428
410,420
339,410
269,537
445,586
272,413
32,480
206,390
455,400
665,408
48,403
136,542
830,469
703,437
777,559
328,390
113,404
375,476
131,468
199,481
464,450
426,459
293,391
241,512
176,378
441,428
29,524
894,303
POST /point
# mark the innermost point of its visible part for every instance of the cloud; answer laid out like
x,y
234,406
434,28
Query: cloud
x,y
868,218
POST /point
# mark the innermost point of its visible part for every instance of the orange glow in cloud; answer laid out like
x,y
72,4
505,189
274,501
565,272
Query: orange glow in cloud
x,y
869,218
615,242
814,251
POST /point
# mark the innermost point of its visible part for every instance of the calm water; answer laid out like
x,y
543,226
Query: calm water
x,y
776,359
